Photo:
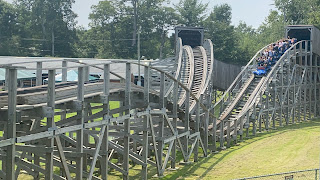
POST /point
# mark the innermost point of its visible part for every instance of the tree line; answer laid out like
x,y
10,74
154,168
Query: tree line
x,y
49,28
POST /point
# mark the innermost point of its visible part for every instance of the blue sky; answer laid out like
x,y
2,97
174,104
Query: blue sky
x,y
253,12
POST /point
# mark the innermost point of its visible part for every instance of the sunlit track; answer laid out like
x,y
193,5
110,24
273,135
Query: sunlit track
x,y
273,100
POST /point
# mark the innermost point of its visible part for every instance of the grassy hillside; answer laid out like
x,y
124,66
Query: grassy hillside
x,y
294,147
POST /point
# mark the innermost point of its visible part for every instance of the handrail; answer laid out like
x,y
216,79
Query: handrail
x,y
208,43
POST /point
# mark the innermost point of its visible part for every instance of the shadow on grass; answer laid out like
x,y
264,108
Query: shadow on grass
x,y
189,170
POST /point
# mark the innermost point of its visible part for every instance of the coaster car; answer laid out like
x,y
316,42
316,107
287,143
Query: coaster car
x,y
259,72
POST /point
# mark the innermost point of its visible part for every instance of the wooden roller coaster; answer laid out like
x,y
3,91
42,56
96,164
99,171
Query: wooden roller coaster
x,y
68,130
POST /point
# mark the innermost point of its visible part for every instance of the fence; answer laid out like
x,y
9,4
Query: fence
x,y
310,174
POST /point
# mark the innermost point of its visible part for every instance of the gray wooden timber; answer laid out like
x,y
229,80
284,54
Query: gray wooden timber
x,y
64,70
39,74
150,126
10,133
106,116
50,123
80,121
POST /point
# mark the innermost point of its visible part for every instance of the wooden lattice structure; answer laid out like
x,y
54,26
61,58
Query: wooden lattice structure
x,y
70,126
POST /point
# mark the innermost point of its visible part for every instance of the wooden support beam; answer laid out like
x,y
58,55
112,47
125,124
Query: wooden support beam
x,y
50,123
95,157
228,133
64,70
145,141
11,123
281,92
106,109
206,120
174,123
161,122
80,121
186,126
126,138
86,72
39,74
196,129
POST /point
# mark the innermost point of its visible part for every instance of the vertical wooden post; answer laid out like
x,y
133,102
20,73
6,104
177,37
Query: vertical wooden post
x,y
247,124
80,120
186,124
64,70
315,85
235,133
241,128
174,124
161,122
127,122
281,94
287,109
7,80
39,74
305,97
222,147
50,123
267,107
294,103
196,129
254,130
206,121
11,123
86,73
299,98
274,106
106,108
228,133
214,134
310,79
145,142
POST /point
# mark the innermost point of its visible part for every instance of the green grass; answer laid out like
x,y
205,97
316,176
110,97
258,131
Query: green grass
x,y
290,148
294,147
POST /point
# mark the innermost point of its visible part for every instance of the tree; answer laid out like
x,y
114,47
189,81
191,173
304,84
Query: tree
x,y
222,33
272,29
248,42
299,12
112,22
7,30
192,12
52,22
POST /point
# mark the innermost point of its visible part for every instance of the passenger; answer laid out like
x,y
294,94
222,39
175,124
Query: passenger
x,y
270,55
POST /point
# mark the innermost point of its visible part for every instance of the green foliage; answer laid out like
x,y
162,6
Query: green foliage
x,y
219,29
299,12
192,12
8,40
112,32
272,29
28,26
37,22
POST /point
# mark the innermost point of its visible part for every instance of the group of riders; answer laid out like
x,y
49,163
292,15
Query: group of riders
x,y
272,54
